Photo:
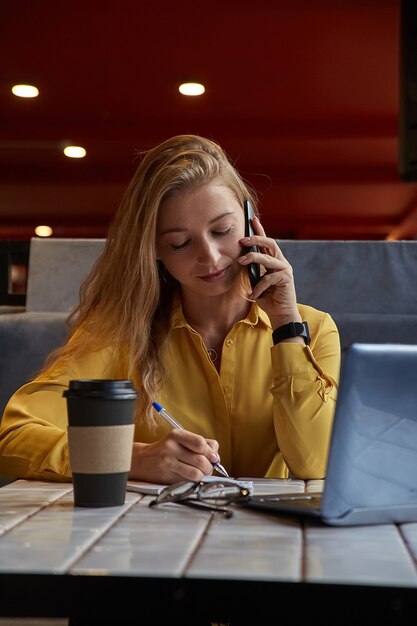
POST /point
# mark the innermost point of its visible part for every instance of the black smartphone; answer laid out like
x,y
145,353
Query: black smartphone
x,y
254,269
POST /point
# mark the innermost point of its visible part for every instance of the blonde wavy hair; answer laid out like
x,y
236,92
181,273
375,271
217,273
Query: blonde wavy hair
x,y
126,301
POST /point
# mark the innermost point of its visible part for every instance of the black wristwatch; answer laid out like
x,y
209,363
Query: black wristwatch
x,y
293,329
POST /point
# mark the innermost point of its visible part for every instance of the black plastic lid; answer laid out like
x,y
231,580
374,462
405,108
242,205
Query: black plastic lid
x,y
101,388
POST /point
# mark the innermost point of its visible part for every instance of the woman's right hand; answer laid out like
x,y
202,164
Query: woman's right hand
x,y
180,455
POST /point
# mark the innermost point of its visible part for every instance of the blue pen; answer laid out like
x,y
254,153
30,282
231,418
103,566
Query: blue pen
x,y
160,409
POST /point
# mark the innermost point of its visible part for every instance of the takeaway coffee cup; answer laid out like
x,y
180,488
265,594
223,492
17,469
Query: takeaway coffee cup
x,y
100,438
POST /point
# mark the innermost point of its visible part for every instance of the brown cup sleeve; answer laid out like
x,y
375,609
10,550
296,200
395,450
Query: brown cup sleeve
x,y
100,449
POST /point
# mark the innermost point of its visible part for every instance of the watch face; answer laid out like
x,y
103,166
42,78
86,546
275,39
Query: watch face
x,y
298,329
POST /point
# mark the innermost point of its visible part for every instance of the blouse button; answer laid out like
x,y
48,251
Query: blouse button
x,y
229,342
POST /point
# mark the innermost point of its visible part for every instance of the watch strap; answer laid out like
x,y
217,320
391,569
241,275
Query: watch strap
x,y
293,329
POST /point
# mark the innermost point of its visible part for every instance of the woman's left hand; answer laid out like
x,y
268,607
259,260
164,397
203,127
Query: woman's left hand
x,y
275,292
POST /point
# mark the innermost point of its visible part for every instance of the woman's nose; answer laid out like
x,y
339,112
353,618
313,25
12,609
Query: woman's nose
x,y
208,251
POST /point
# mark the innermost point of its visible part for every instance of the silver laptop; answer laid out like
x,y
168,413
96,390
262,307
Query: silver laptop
x,y
372,467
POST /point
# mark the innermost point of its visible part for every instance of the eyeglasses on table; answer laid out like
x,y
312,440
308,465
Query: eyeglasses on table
x,y
212,496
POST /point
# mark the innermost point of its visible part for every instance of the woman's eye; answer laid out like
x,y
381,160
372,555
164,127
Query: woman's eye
x,y
222,233
179,246
215,233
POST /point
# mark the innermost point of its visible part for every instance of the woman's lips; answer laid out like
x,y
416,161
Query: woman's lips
x,y
214,278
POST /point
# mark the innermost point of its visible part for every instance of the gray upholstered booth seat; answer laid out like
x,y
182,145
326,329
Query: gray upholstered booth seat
x,y
369,287
376,328
355,276
57,268
25,340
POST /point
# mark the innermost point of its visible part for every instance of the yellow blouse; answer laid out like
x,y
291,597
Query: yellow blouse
x,y
270,408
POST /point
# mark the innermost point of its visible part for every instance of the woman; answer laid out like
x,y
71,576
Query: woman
x,y
169,305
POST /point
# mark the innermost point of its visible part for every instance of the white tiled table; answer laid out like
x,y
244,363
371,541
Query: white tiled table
x,y
177,565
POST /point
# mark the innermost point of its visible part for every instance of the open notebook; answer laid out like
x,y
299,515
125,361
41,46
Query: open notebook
x,y
258,486
372,466
156,488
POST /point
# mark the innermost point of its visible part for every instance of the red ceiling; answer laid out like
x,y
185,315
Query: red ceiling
x,y
302,94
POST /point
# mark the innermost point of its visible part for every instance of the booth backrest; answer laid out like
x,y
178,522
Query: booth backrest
x,y
57,268
369,287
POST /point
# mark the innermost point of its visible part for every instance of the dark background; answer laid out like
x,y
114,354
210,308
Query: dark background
x,y
304,95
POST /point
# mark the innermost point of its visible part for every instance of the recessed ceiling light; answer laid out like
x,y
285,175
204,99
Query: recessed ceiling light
x,y
75,152
25,91
43,231
191,89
